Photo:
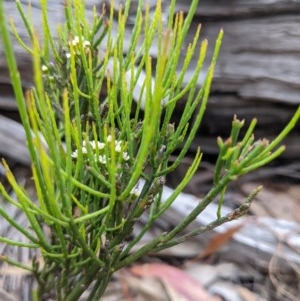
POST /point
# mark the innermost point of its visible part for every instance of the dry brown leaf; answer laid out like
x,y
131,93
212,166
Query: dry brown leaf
x,y
219,240
181,282
151,289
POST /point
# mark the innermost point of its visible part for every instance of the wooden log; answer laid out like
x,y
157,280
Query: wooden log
x,y
257,74
258,58
262,235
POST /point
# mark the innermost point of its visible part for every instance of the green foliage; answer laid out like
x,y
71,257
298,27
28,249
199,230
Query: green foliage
x,y
99,160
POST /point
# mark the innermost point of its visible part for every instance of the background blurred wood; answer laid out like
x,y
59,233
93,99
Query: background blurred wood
x,y
258,72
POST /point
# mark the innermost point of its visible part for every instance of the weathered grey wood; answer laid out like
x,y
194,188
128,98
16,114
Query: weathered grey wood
x,y
262,235
258,57
14,143
240,9
258,72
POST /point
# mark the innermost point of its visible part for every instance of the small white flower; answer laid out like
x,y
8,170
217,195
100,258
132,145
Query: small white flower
x,y
118,147
125,156
68,55
75,41
44,68
109,138
84,150
102,159
74,154
99,145
86,44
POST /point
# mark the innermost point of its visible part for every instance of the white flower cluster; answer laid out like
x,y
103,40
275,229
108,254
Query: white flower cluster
x,y
75,43
47,72
98,147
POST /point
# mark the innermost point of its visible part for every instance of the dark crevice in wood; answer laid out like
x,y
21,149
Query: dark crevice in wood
x,y
247,14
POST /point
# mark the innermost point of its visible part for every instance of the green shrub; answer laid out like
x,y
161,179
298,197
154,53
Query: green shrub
x,y
99,161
